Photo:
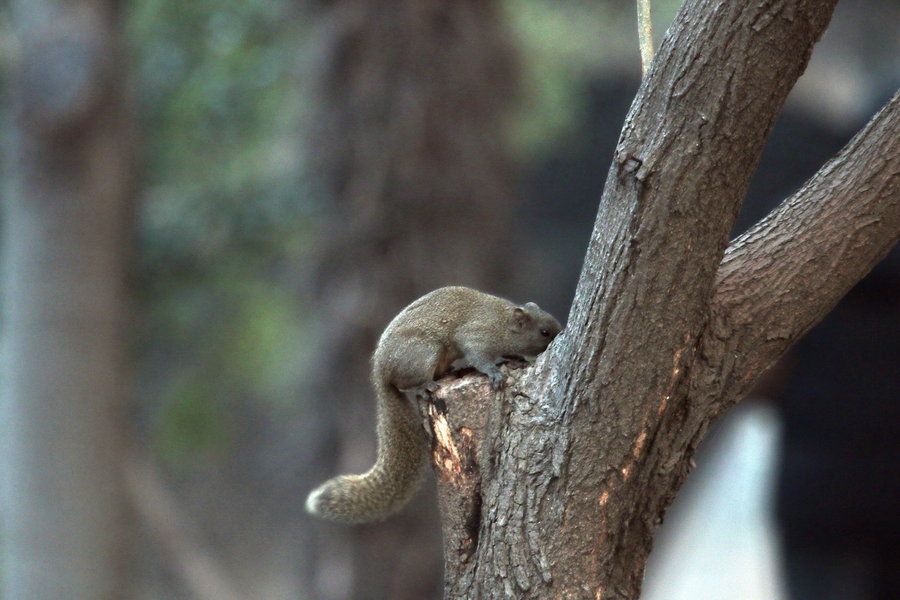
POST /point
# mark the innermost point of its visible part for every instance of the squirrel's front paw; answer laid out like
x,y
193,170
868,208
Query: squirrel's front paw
x,y
497,379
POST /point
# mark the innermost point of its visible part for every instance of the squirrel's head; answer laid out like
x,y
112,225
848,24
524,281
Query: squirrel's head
x,y
533,329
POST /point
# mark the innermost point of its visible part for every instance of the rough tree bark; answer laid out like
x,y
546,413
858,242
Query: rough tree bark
x,y
553,489
66,243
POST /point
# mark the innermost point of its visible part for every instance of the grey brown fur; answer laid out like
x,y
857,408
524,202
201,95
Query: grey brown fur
x,y
442,327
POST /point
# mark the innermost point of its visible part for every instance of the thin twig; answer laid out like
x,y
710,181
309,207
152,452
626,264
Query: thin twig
x,y
645,34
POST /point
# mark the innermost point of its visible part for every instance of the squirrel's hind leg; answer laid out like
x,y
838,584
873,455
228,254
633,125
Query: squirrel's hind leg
x,y
414,369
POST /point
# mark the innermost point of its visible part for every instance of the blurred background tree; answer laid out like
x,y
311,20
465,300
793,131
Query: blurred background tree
x,y
67,240
297,168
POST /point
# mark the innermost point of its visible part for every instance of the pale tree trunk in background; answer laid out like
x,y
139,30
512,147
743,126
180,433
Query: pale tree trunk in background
x,y
413,106
66,241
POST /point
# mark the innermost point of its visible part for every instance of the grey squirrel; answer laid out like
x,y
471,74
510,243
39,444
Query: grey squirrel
x,y
421,343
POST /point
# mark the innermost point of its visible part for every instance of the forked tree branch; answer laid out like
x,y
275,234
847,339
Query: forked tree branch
x,y
781,277
578,460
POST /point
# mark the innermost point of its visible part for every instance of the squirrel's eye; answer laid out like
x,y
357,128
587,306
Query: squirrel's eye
x,y
545,333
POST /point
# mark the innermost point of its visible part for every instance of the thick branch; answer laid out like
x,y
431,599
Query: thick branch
x,y
688,149
599,435
785,274
591,445
618,379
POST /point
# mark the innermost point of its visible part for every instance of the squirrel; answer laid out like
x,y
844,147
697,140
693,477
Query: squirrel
x,y
443,327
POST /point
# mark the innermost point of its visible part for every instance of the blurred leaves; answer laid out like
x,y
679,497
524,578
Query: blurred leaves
x,y
224,216
218,93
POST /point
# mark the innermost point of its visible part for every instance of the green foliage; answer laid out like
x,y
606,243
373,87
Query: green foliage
x,y
188,425
225,212
220,104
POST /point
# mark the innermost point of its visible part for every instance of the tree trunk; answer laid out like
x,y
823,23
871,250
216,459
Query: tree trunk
x,y
413,102
554,489
66,241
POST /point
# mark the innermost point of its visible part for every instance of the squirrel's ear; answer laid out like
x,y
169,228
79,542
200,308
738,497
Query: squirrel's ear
x,y
521,318
531,306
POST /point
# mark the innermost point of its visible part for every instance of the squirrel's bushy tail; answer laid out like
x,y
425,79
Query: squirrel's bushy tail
x,y
387,486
